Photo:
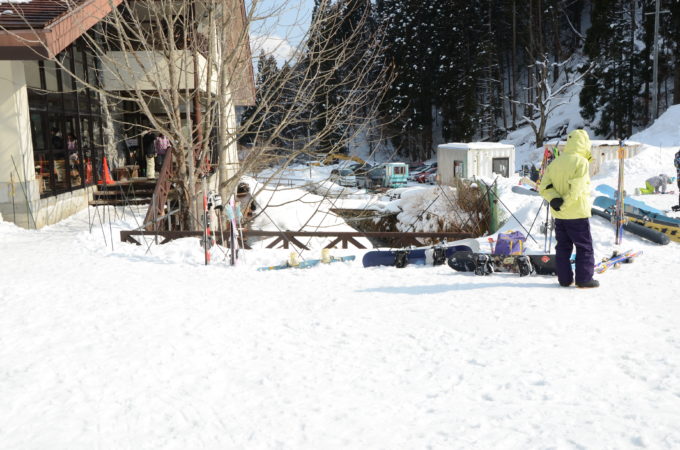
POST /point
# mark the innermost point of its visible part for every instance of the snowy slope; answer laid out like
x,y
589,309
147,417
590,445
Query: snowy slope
x,y
111,345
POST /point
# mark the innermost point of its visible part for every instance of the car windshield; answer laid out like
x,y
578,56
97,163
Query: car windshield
x,y
346,172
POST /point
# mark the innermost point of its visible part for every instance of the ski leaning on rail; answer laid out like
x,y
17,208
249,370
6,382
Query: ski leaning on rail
x,y
619,218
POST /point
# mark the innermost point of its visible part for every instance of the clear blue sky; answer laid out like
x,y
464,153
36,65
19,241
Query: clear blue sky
x,y
286,19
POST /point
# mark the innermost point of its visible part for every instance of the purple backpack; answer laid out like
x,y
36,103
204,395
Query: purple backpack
x,y
510,243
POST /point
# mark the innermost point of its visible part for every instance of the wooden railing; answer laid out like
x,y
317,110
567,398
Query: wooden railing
x,y
286,239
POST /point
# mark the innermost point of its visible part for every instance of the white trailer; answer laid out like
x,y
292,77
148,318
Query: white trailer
x,y
478,159
603,151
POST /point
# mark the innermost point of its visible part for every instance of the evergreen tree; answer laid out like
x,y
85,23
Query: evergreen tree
x,y
610,94
262,115
336,29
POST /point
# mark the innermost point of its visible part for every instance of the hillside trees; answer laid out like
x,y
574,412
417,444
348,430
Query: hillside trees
x,y
671,31
442,56
317,101
473,69
610,95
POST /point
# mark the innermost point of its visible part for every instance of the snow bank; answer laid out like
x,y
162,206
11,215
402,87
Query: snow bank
x,y
664,132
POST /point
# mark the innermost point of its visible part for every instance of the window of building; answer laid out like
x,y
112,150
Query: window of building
x,y
501,166
459,169
64,117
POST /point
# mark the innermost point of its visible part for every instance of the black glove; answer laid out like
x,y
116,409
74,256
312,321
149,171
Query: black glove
x,y
556,203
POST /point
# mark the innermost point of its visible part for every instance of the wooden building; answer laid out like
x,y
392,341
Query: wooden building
x,y
56,130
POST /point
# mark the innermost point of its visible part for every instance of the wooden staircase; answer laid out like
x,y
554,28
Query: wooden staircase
x,y
135,191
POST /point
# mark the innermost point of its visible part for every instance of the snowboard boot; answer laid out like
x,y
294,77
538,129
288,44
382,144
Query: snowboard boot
x,y
588,284
524,266
675,208
483,265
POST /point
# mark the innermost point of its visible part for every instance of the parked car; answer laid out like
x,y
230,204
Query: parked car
x,y
360,169
431,178
422,176
415,173
344,177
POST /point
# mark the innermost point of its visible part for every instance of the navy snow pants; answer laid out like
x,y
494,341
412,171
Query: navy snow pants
x,y
572,233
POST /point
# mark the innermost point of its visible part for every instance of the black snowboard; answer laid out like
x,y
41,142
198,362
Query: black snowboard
x,y
485,263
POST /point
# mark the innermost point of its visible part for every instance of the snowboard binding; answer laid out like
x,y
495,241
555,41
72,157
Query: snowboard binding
x,y
524,266
438,256
401,258
483,265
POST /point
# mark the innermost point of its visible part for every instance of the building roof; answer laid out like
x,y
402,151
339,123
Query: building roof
x,y
39,29
34,14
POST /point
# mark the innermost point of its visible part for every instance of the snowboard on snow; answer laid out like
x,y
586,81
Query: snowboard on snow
x,y
611,192
487,263
307,263
433,255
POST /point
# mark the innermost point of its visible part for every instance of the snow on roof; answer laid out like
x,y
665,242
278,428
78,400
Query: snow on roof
x,y
611,143
475,146
600,143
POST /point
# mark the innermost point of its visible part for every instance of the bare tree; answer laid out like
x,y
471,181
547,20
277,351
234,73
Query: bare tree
x,y
549,93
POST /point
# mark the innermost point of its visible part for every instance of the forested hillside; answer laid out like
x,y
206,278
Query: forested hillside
x,y
462,71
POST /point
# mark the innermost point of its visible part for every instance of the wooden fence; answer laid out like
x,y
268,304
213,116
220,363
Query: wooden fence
x,y
286,239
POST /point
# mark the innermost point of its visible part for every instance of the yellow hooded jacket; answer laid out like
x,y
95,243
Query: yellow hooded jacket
x,y
568,178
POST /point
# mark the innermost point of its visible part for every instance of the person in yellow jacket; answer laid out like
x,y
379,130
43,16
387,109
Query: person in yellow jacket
x,y
566,186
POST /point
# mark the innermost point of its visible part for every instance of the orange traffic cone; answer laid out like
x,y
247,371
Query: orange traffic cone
x,y
107,174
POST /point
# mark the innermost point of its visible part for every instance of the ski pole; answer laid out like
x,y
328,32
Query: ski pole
x,y
547,225
536,216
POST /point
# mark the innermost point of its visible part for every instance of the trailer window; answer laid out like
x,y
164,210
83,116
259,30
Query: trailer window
x,y
459,169
501,166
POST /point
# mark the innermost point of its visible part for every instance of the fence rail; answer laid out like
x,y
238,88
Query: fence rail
x,y
291,238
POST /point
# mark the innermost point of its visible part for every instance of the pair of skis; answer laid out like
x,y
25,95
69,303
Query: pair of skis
x,y
619,218
616,260
213,201
294,262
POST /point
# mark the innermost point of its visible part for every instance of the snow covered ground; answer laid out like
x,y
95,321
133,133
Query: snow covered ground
x,y
111,345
